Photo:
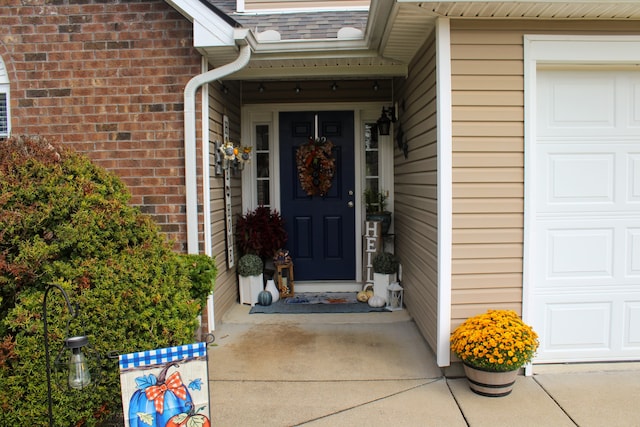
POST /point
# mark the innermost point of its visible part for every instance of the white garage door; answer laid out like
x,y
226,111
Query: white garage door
x,y
586,290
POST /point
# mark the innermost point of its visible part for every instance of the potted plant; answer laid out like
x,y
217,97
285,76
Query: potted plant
x,y
260,232
250,268
492,347
376,202
385,269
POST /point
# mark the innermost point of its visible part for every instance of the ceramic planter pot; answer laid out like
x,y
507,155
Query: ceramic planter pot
x,y
271,287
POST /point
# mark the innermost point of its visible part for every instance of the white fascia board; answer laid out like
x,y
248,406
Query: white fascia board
x,y
258,12
297,48
208,28
205,35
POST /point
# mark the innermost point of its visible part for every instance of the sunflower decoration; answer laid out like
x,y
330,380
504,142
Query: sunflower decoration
x,y
243,154
228,150
234,156
316,166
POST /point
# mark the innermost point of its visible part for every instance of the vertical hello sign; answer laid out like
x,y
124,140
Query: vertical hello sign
x,y
372,245
228,213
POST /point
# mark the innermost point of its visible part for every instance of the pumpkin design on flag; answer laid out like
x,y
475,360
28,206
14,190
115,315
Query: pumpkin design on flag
x,y
189,419
166,387
157,400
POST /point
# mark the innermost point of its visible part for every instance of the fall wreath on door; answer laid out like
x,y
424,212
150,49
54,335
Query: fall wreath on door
x,y
316,166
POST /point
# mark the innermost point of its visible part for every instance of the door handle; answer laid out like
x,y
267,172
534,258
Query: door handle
x,y
350,204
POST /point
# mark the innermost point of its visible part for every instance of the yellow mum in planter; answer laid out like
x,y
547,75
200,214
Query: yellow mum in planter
x,y
495,341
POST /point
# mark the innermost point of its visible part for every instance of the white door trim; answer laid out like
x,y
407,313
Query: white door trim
x,y
565,52
253,114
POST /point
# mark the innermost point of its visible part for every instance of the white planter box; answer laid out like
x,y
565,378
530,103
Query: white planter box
x,y
381,282
250,287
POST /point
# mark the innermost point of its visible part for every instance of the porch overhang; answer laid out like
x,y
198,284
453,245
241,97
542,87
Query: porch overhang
x,y
306,59
394,32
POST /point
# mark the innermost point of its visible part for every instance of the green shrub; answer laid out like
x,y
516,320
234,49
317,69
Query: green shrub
x,y
202,272
250,265
65,221
385,263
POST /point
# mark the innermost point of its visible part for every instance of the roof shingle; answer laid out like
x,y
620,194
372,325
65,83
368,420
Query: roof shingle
x,y
295,26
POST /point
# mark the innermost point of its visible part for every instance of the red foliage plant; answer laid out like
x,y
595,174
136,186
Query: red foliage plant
x,y
260,232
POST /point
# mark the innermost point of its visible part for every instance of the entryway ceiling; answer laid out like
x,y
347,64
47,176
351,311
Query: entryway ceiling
x,y
394,32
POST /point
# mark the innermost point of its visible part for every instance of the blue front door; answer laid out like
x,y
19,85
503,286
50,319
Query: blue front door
x,y
320,228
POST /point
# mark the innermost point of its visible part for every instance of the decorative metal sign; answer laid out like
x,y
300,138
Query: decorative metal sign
x,y
228,212
372,245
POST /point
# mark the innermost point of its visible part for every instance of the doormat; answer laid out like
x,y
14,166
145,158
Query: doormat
x,y
323,298
311,302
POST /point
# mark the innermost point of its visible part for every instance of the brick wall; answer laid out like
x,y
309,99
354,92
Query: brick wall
x,y
106,77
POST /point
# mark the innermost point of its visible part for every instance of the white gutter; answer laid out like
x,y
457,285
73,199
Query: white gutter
x,y
190,157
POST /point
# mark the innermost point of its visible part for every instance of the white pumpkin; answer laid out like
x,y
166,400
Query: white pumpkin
x,y
376,301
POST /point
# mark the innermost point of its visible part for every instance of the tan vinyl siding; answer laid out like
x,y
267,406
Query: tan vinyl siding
x,y
304,4
226,290
488,129
488,156
416,192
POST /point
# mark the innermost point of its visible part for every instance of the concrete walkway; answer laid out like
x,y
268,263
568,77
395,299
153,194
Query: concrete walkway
x,y
375,369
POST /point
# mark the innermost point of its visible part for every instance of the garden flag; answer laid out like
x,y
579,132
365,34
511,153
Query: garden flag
x,y
166,387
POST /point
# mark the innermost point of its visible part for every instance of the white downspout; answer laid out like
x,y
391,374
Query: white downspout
x,y
190,157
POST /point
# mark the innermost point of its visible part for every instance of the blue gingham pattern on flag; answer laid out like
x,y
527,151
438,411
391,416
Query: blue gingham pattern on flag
x,y
162,355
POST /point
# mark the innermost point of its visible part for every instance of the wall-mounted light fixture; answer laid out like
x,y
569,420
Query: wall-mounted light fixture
x,y
334,86
387,117
298,89
375,86
79,376
224,88
261,88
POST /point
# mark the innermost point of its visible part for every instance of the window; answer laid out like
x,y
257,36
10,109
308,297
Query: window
x,y
263,175
372,162
4,101
4,114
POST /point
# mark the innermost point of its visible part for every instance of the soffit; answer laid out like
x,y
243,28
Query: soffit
x,y
550,9
402,26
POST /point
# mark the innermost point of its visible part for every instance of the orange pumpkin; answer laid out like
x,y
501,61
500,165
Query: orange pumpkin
x,y
189,419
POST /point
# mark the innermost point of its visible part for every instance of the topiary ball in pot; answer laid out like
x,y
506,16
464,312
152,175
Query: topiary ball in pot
x,y
385,263
250,265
